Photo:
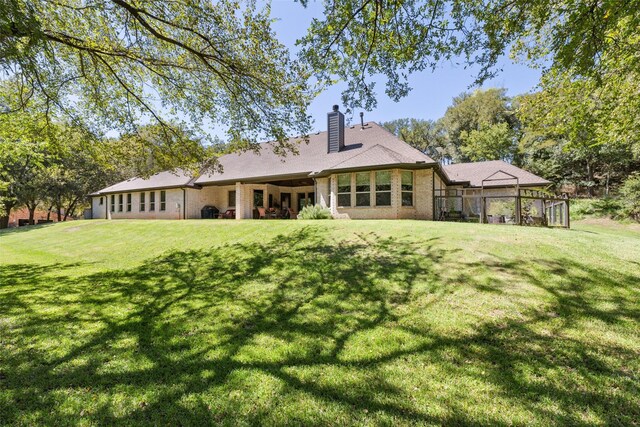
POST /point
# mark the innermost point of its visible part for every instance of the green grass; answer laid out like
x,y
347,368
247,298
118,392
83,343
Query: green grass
x,y
319,323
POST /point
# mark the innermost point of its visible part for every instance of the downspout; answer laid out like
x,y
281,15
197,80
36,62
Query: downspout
x,y
184,203
433,194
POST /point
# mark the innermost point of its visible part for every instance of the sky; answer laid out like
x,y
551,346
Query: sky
x,y
432,91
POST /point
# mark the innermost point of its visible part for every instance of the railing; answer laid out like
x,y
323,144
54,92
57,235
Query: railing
x,y
526,207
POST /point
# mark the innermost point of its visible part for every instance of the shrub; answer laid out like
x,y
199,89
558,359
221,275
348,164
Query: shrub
x,y
607,207
630,194
314,212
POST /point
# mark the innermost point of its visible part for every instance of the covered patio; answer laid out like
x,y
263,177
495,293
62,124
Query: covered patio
x,y
275,198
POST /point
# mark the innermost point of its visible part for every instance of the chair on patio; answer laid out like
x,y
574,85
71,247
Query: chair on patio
x,y
228,214
292,214
262,213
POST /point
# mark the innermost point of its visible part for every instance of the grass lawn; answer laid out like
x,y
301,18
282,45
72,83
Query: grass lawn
x,y
319,323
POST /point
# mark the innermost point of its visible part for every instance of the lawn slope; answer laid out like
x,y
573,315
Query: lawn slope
x,y
318,323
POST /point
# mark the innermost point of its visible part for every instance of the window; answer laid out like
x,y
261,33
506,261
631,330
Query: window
x,y
152,201
101,201
163,200
232,199
363,189
407,188
344,189
113,203
311,199
142,201
129,202
120,199
270,200
383,188
302,201
258,198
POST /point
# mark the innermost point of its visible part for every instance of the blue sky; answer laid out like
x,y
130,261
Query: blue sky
x,y
432,91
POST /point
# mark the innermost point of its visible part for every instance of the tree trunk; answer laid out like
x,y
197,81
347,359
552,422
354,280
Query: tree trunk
x,y
590,178
32,214
4,220
58,209
70,208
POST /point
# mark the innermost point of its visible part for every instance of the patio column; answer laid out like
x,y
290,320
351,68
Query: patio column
x,y
333,194
239,201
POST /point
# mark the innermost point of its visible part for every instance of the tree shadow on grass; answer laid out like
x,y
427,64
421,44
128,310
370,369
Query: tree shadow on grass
x,y
303,330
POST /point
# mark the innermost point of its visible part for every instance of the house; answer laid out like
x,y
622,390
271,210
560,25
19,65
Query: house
x,y
357,172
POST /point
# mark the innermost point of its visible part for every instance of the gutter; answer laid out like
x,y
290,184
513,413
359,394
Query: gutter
x,y
412,166
136,190
258,179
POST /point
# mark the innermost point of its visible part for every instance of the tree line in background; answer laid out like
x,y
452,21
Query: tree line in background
x,y
560,133
54,166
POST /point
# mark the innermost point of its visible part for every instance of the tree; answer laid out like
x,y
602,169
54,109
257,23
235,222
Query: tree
x,y
114,64
489,142
425,135
23,141
586,110
561,143
357,39
474,121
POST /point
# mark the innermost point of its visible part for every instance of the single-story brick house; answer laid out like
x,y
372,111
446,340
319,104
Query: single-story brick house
x,y
357,172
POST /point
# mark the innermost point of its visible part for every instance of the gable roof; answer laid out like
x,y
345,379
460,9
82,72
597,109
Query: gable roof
x,y
166,179
368,147
499,172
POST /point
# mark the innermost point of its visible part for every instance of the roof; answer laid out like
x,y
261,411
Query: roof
x,y
499,172
368,148
166,179
372,146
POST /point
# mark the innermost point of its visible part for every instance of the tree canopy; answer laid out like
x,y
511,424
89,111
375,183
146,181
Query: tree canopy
x,y
357,39
113,64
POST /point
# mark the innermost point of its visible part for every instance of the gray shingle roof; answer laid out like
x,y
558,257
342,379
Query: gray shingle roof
x,y
165,179
474,173
372,146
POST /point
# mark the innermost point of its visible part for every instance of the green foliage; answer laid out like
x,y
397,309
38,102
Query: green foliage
x,y
563,139
336,322
481,126
48,162
501,208
117,64
357,39
490,142
630,197
314,212
599,208
586,112
425,135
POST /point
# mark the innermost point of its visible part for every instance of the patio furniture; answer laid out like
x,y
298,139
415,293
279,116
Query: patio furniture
x,y
262,213
228,214
292,214
209,212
